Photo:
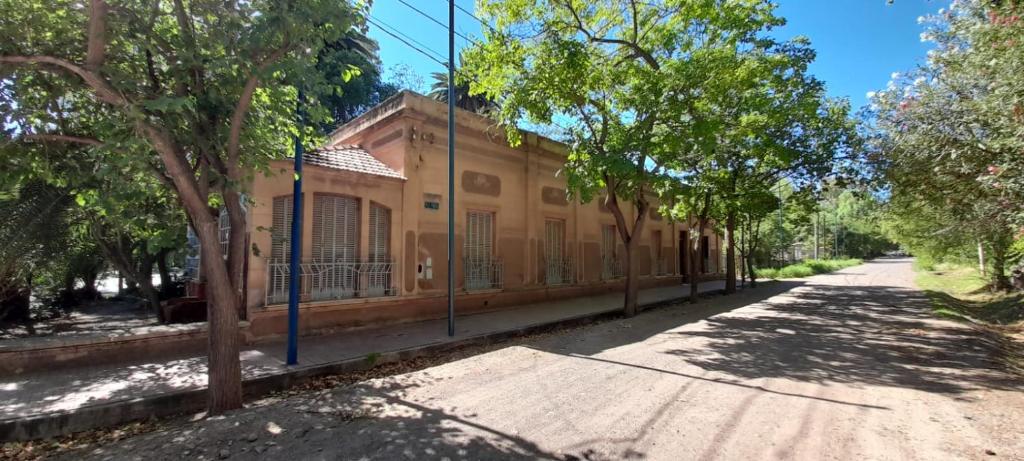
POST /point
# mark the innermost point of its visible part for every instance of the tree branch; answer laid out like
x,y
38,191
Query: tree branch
x,y
62,138
96,35
639,51
245,100
104,91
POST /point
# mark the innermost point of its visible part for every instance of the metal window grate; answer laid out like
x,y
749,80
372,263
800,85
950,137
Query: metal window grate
x,y
224,230
611,267
482,270
559,269
660,265
321,281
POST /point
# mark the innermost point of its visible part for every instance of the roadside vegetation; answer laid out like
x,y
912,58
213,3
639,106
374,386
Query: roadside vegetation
x,y
962,293
809,268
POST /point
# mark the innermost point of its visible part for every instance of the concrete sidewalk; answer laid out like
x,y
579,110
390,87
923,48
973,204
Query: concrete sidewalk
x,y
68,400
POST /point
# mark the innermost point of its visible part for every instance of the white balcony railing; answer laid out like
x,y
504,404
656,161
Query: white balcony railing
x,y
560,271
611,267
483,273
327,280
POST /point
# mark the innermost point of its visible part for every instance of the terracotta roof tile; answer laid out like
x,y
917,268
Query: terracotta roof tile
x,y
350,158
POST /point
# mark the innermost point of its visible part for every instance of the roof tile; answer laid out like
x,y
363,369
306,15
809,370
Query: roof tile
x,y
349,158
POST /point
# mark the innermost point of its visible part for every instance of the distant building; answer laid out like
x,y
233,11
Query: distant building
x,y
375,225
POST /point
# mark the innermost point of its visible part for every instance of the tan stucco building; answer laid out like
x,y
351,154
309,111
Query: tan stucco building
x,y
375,225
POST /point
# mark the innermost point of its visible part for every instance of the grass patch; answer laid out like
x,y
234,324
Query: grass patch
x,y
808,268
961,293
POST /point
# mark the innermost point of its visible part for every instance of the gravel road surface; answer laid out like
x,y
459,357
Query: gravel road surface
x,y
849,365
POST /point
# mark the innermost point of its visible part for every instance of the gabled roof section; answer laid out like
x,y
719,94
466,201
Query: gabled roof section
x,y
350,158
406,100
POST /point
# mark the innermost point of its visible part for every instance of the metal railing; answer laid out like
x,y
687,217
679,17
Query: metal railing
x,y
611,267
326,280
560,271
483,273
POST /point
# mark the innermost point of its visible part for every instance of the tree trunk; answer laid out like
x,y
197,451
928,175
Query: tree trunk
x,y
981,258
730,252
165,271
225,375
144,277
751,273
631,303
224,367
999,280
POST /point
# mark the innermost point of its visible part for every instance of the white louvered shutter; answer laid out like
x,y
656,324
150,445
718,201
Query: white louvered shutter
x,y
335,228
380,233
281,229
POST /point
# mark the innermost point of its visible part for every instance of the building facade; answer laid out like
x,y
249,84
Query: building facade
x,y
374,243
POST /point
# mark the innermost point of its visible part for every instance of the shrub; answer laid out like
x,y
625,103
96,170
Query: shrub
x,y
808,268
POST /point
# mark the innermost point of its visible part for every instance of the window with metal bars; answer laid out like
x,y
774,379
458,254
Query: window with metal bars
x,y
224,230
611,267
479,234
482,270
558,267
281,229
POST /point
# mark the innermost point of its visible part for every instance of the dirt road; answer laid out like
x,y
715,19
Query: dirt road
x,y
848,365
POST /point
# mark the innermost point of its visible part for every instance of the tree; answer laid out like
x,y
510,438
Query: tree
x,y
768,119
350,99
464,99
949,136
185,86
624,75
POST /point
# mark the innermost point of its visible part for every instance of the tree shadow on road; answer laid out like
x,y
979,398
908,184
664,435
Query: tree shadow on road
x,y
658,320
846,334
368,420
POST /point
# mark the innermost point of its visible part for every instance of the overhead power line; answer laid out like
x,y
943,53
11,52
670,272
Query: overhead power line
x,y
384,27
408,41
470,14
435,20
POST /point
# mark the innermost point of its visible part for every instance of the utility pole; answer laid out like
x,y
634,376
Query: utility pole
x,y
451,167
296,245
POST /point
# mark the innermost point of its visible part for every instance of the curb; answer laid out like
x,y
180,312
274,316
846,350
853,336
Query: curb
x,y
123,411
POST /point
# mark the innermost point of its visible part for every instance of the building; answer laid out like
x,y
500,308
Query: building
x,y
374,243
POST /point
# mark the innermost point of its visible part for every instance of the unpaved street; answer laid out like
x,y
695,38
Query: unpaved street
x,y
849,365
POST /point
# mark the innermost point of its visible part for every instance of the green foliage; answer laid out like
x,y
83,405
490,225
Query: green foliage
x,y
948,137
961,293
809,268
464,99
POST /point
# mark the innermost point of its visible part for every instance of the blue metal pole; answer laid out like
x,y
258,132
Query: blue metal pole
x,y
451,167
295,252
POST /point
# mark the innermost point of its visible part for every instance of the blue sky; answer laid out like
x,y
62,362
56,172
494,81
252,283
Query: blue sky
x,y
860,43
